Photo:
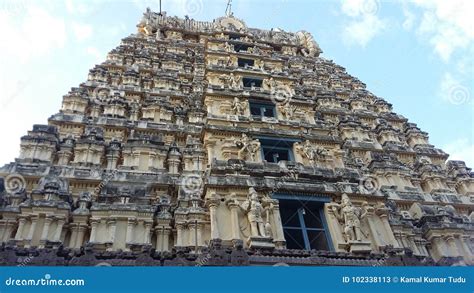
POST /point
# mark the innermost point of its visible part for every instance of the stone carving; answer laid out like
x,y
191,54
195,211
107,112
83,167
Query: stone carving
x,y
349,216
146,135
249,148
235,82
253,208
310,47
239,107
288,111
270,83
313,153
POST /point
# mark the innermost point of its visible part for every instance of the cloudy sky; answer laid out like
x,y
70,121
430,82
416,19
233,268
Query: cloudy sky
x,y
415,54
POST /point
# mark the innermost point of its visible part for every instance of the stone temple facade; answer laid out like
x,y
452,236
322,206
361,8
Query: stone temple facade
x,y
212,143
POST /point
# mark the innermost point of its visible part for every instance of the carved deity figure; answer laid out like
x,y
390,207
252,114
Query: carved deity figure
x,y
235,81
312,153
249,148
287,110
270,83
254,209
259,64
238,107
228,47
349,216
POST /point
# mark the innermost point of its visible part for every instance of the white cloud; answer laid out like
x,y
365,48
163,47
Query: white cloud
x,y
447,25
462,150
363,31
81,31
35,33
364,24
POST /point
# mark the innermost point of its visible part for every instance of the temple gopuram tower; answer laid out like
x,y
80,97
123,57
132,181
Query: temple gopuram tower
x,y
212,143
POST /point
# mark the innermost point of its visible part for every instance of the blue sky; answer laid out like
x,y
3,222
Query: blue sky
x,y
415,54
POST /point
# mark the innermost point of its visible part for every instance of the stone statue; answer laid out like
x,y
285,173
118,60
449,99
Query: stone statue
x,y
248,148
228,47
270,83
259,64
313,153
235,81
310,47
238,107
254,209
349,216
287,110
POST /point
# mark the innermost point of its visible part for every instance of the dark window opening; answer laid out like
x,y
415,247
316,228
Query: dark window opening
x,y
252,82
304,225
234,37
245,62
262,109
276,150
241,47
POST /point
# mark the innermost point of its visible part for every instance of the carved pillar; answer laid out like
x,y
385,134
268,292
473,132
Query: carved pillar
x,y
80,236
279,237
439,246
412,243
93,236
47,224
7,231
59,229
21,226
193,233
179,234
34,221
146,237
213,204
452,247
199,228
373,227
112,227
162,238
130,226
388,229
234,218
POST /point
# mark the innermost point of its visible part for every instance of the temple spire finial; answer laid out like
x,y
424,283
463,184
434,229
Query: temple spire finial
x,y
228,10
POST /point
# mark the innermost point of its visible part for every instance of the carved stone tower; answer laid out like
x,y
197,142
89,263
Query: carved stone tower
x,y
213,143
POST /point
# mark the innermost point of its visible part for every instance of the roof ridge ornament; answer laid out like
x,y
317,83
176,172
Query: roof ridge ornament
x,y
228,9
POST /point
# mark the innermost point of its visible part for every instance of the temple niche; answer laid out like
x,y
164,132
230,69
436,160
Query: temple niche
x,y
361,228
213,143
